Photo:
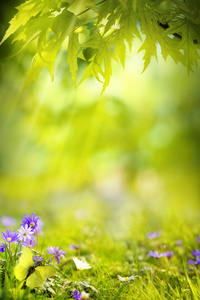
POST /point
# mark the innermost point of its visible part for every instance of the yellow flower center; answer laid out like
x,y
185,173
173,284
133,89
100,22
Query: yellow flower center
x,y
32,224
9,239
127,278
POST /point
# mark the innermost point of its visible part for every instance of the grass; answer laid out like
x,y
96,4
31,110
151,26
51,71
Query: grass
x,y
113,241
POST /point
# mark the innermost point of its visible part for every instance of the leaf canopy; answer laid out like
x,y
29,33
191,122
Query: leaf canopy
x,y
99,32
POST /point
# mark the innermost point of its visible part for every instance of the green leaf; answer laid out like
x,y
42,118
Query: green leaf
x,y
73,49
62,25
101,60
26,11
128,23
189,32
149,28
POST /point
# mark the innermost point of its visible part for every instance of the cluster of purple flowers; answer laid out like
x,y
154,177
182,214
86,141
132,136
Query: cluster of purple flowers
x,y
169,254
154,235
25,234
196,254
31,226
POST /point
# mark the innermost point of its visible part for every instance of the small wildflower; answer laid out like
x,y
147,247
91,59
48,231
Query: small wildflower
x,y
84,295
2,247
198,239
76,295
39,228
81,265
155,254
192,262
196,253
10,236
163,246
74,247
30,221
29,243
25,233
169,254
7,221
56,253
127,279
37,260
179,243
153,235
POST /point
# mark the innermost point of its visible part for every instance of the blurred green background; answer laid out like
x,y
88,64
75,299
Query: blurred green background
x,y
135,148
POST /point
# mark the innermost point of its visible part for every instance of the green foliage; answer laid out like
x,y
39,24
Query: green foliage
x,y
104,29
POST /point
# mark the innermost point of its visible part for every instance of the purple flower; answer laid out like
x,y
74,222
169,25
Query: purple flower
x,y
169,254
37,259
2,247
196,253
192,262
10,236
56,253
39,228
30,221
7,221
76,295
153,235
74,247
29,243
155,254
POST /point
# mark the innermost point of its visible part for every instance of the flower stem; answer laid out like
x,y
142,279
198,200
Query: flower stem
x,y
37,238
10,254
157,266
75,279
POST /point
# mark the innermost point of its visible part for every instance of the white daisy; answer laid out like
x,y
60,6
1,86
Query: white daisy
x,y
84,295
25,233
126,278
81,265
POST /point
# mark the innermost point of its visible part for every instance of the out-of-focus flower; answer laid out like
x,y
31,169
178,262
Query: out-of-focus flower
x,y
39,228
179,243
37,259
163,246
7,221
126,278
10,236
2,247
155,254
81,265
169,254
196,253
84,295
76,295
29,243
198,239
25,233
194,262
30,221
74,247
153,235
56,253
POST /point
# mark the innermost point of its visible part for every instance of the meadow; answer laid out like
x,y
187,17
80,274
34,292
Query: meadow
x,y
114,241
